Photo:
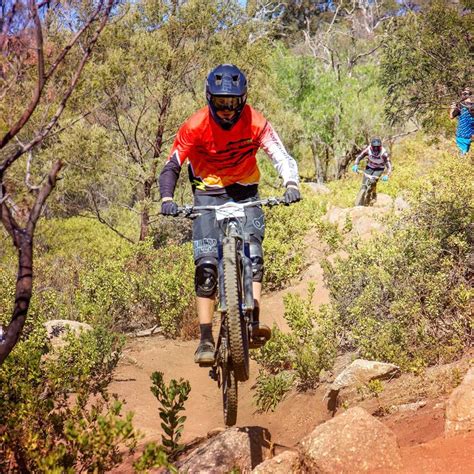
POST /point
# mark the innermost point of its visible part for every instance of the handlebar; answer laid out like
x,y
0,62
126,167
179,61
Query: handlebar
x,y
370,176
190,211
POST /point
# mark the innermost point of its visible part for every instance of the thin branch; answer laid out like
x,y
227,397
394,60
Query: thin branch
x,y
44,132
76,38
103,221
45,191
353,61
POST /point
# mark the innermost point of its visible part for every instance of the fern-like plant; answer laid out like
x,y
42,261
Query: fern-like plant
x,y
172,399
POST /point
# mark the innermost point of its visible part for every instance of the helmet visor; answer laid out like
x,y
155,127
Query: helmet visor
x,y
226,102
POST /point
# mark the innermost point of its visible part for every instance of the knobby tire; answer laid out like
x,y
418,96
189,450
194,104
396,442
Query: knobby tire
x,y
236,329
361,197
229,395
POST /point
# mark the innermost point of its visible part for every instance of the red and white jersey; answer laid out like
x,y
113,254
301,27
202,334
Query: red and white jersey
x,y
375,160
219,158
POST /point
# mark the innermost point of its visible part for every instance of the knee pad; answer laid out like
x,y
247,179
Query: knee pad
x,y
205,277
256,256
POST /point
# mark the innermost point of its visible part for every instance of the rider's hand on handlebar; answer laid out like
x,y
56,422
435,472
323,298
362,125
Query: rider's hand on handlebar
x,y
385,178
292,193
355,168
169,208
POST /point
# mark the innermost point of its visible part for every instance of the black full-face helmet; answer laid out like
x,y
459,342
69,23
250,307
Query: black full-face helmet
x,y
226,89
376,145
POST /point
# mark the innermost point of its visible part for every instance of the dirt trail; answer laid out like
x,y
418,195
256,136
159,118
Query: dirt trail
x,y
142,356
420,434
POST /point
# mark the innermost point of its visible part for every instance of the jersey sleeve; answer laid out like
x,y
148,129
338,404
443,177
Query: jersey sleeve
x,y
388,163
180,150
361,155
282,161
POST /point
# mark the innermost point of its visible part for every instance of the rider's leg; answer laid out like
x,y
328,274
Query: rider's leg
x,y
205,286
205,238
376,172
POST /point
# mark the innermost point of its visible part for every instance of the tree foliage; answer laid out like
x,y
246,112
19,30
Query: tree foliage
x,y
427,60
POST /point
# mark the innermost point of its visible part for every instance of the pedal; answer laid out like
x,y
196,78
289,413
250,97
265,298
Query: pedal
x,y
213,374
259,336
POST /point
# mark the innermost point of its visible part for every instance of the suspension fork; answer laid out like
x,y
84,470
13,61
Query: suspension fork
x,y
246,274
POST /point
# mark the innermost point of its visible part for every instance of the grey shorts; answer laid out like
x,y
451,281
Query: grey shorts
x,y
206,230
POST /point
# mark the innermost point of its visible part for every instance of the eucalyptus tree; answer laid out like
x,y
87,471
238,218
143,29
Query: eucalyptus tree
x,y
427,60
44,48
151,77
332,82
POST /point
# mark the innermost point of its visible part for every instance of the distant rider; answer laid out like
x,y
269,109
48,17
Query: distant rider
x,y
378,159
464,110
220,142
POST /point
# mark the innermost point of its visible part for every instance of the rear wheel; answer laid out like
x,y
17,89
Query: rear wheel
x,y
361,197
236,327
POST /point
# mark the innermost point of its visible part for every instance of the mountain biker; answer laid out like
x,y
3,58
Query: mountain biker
x,y
378,159
220,142
464,110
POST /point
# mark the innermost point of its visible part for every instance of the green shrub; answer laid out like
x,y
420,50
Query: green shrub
x,y
153,455
55,412
405,296
85,272
296,358
284,243
271,389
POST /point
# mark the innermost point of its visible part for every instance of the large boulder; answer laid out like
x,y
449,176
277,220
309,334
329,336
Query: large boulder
x,y
241,448
349,443
337,216
460,407
58,328
284,463
383,200
365,226
362,371
357,374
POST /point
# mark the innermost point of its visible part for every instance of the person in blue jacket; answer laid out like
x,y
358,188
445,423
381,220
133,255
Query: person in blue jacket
x,y
464,110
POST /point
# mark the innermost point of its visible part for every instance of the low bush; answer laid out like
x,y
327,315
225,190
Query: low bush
x,y
284,245
55,412
297,358
85,272
406,297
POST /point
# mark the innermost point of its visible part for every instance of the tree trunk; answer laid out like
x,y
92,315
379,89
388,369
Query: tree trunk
x,y
24,289
317,163
23,241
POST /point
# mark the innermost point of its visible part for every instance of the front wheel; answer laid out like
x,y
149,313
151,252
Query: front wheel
x,y
361,197
229,395
235,324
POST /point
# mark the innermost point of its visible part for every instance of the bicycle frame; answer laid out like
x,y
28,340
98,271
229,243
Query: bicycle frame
x,y
230,215
366,187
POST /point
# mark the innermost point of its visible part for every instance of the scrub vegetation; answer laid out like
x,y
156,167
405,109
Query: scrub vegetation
x,y
92,94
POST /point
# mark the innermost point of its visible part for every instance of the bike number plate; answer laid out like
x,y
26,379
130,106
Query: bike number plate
x,y
229,211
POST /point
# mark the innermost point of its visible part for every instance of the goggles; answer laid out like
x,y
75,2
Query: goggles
x,y
226,102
